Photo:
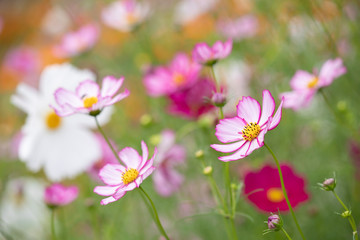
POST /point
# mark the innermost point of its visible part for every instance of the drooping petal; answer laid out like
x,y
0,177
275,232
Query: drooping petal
x,y
105,190
226,148
249,109
229,129
268,107
130,157
111,174
88,88
110,86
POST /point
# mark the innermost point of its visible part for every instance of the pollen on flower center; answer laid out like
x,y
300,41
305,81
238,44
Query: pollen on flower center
x,y
275,195
313,82
52,120
89,101
129,176
178,79
250,131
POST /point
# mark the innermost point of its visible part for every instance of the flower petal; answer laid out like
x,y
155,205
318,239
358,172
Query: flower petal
x,y
118,97
130,158
300,80
331,69
145,154
249,109
105,190
268,107
87,88
241,153
226,148
229,129
110,86
66,97
277,117
148,163
111,174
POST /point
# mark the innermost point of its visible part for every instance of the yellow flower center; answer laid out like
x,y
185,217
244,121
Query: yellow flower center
x,y
250,131
52,120
129,176
275,195
178,79
89,101
313,82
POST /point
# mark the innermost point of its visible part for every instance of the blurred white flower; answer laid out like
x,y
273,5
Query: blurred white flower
x,y
63,147
56,21
188,10
23,212
125,15
239,28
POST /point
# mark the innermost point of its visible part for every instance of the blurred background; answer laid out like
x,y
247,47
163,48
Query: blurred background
x,y
271,41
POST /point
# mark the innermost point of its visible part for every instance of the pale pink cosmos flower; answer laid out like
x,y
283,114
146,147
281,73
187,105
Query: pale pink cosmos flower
x,y
59,195
121,179
305,85
88,98
166,179
204,54
74,43
125,15
165,80
245,132
239,28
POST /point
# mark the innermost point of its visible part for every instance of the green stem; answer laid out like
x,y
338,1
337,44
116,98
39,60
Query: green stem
x,y
107,139
284,191
214,77
286,234
351,218
52,224
156,216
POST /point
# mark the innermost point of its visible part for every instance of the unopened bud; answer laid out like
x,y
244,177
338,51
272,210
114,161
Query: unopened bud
x,y
218,99
329,184
346,214
341,105
145,120
199,154
274,222
208,170
205,121
155,139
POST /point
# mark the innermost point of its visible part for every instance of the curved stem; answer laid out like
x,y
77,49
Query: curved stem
x,y
284,191
156,216
286,234
351,218
107,139
52,224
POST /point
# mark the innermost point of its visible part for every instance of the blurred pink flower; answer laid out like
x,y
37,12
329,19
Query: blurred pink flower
x,y
107,157
263,188
247,130
120,179
305,84
204,54
240,28
165,80
88,98
193,101
74,43
125,15
59,195
25,62
166,179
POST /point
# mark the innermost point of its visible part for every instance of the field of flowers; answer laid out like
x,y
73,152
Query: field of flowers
x,y
180,119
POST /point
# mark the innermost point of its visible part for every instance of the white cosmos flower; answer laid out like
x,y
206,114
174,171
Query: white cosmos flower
x,y
188,10
63,147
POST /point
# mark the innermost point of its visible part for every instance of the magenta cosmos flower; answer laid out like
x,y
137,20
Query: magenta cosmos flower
x,y
88,98
121,179
165,80
305,84
204,54
74,43
59,195
166,179
263,188
245,132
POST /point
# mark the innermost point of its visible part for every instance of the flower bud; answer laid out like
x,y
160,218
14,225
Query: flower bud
x,y
155,139
346,214
218,99
199,154
146,120
329,184
207,170
274,222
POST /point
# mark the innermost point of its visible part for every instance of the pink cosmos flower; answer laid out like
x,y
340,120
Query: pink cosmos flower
x,y
166,179
204,54
305,84
192,102
125,15
121,179
74,43
59,195
240,28
88,98
164,80
263,188
246,131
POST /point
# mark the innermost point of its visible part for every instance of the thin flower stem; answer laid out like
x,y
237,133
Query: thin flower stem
x,y
52,224
221,112
286,234
284,191
107,139
156,216
214,77
351,218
